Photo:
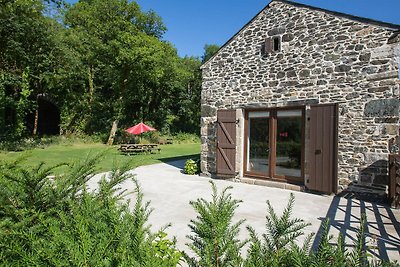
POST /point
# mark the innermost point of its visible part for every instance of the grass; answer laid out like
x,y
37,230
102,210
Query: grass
x,y
70,153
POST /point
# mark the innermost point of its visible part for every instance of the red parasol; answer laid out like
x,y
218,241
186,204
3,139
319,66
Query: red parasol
x,y
139,129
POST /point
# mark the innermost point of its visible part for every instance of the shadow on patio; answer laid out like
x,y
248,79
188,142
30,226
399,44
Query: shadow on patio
x,y
382,227
179,162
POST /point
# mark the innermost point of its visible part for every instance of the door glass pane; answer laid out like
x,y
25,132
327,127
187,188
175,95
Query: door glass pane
x,y
258,143
288,143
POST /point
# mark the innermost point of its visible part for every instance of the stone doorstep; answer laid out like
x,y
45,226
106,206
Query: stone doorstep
x,y
356,187
262,182
273,184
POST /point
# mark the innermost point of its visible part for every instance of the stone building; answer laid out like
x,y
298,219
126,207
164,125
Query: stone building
x,y
302,97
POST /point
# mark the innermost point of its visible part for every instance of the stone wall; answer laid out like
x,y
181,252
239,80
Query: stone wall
x,y
323,59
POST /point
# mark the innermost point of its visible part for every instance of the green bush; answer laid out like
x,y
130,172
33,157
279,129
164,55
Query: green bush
x,y
186,138
191,167
278,240
214,236
215,242
59,222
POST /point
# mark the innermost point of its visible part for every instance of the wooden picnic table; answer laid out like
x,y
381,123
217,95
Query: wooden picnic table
x,y
165,141
139,148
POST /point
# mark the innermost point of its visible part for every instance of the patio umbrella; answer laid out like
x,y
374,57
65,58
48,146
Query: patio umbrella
x,y
139,129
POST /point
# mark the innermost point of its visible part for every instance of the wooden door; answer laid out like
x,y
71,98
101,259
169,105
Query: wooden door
x,y
226,142
323,148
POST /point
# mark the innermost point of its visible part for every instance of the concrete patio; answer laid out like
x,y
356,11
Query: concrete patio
x,y
170,191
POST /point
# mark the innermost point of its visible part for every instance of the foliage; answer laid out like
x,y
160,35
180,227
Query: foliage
x,y
99,62
191,167
2,107
281,234
50,220
278,245
124,61
327,253
25,58
358,257
335,253
209,51
185,102
61,222
215,238
24,104
165,250
185,138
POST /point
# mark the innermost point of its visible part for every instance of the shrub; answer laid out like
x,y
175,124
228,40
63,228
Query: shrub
x,y
60,222
186,138
280,236
215,243
153,136
191,167
278,246
46,222
215,238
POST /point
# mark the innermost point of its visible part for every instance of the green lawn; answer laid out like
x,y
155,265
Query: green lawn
x,y
56,154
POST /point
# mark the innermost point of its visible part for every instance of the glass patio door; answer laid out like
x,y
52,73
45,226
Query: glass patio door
x,y
288,143
258,143
275,143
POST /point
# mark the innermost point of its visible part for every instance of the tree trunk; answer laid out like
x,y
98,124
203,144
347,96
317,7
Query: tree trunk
x,y
35,125
91,84
112,133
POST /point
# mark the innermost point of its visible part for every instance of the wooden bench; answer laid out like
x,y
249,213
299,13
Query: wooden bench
x,y
153,149
165,141
127,149
139,148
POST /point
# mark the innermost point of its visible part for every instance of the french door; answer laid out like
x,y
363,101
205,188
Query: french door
x,y
274,146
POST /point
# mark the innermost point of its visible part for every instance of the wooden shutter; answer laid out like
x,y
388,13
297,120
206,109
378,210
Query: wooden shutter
x,y
323,148
226,142
266,47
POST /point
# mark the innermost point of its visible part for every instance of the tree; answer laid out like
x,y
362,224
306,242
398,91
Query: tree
x,y
185,103
24,51
129,70
209,51
101,62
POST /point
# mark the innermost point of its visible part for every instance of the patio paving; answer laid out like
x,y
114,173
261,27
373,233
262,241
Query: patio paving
x,y
170,191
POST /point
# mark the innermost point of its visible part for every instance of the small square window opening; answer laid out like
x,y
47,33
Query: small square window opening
x,y
276,44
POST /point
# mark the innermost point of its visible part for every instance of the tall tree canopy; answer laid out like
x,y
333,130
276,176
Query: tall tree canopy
x,y
102,61
26,54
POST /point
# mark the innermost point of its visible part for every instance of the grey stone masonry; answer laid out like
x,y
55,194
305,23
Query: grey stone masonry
x,y
323,58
